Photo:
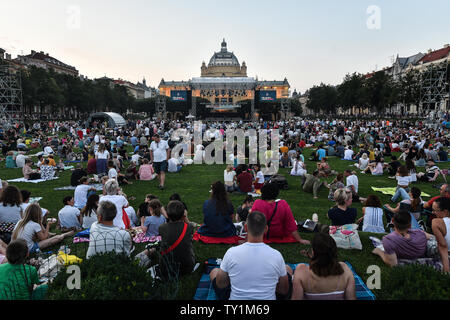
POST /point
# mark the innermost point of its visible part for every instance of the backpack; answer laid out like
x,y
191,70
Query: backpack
x,y
279,180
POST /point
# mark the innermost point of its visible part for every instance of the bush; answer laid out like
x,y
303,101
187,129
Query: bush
x,y
112,276
415,282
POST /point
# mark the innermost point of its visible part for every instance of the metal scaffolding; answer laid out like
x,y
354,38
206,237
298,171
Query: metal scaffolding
x,y
10,96
434,85
161,107
285,108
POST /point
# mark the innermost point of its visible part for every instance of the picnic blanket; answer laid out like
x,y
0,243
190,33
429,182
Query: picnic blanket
x,y
391,191
239,239
83,236
97,186
32,181
205,291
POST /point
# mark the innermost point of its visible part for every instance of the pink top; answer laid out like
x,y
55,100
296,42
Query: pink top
x,y
146,172
283,223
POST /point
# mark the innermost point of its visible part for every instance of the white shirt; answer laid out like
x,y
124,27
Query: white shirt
x,y
348,154
159,150
102,155
228,176
173,164
403,181
28,232
48,150
352,181
135,158
112,173
259,177
254,270
120,202
80,195
20,160
68,217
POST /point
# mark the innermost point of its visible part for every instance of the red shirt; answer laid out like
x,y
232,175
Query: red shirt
x,y
92,166
283,223
245,181
302,144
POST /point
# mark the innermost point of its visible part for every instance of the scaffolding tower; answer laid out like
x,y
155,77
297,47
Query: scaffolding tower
x,y
161,107
10,96
285,108
434,86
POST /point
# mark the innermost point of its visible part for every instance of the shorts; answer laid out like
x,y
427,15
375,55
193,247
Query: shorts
x,y
160,166
34,248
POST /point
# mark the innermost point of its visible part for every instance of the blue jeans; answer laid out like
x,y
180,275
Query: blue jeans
x,y
400,192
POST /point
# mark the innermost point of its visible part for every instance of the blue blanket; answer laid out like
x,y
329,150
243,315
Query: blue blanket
x,y
205,291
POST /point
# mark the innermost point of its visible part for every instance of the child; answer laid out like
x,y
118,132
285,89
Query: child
x,y
10,161
259,178
18,280
152,223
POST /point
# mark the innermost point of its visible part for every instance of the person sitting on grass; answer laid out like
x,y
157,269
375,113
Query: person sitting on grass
x,y
298,167
243,210
30,229
337,183
403,181
403,243
342,214
324,168
47,171
176,244
441,229
105,236
19,281
326,278
363,162
218,214
376,168
89,212
77,174
26,202
82,192
146,171
280,219
156,218
252,270
69,216
372,219
28,172
244,180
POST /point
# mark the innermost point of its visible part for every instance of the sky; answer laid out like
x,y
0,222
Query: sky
x,y
307,42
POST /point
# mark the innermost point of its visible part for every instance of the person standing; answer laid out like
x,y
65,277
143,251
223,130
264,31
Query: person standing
x,y
159,154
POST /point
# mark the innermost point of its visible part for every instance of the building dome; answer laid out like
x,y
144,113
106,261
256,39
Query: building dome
x,y
223,58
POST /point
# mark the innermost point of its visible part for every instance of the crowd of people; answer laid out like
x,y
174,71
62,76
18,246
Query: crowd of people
x,y
102,155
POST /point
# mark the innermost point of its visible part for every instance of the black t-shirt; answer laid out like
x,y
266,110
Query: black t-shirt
x,y
183,254
395,165
339,217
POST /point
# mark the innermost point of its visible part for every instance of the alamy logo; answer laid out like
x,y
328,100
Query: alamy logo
x,y
374,20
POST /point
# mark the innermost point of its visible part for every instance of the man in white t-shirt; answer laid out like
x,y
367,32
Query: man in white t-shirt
x,y
352,183
20,160
253,270
159,153
348,153
69,216
104,235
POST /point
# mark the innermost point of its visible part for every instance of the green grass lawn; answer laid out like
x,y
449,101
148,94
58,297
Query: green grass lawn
x,y
193,185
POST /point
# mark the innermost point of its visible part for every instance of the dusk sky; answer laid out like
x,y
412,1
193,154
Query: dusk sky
x,y
308,42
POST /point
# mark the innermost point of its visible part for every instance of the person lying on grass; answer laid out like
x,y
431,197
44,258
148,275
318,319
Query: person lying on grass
x,y
403,243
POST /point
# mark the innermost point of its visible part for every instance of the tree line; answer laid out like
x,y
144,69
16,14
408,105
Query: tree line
x,y
378,93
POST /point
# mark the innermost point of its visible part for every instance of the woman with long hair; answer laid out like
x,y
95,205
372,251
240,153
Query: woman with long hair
x,y
326,278
218,214
30,229
372,219
102,156
89,212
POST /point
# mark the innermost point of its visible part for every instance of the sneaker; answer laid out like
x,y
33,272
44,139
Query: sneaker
x,y
161,187
315,217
